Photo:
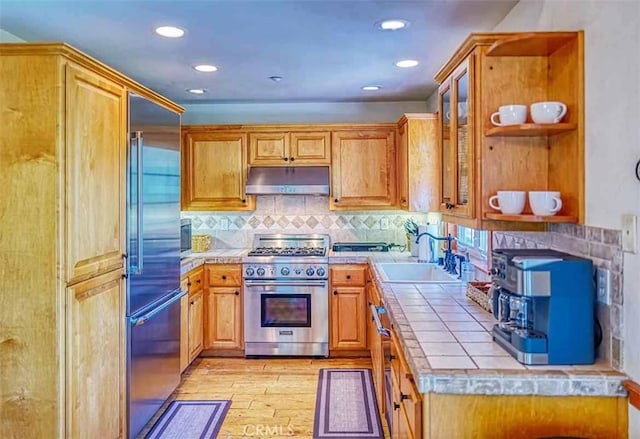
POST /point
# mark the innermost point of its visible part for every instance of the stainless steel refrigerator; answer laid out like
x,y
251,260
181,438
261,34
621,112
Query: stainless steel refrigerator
x,y
153,256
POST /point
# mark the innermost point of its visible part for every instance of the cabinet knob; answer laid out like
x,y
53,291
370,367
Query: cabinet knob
x,y
348,276
392,357
286,159
396,406
404,201
335,292
292,158
188,284
224,277
237,293
403,396
335,200
244,200
193,302
199,281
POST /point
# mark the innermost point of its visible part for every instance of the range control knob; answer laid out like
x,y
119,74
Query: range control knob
x,y
260,271
285,271
298,271
320,272
310,271
250,271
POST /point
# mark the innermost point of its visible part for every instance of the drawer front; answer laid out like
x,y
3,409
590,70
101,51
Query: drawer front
x,y
196,280
225,275
348,275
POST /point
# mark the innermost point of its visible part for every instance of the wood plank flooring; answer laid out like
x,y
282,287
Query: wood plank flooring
x,y
272,398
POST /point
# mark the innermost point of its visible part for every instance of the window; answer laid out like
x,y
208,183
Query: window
x,y
476,241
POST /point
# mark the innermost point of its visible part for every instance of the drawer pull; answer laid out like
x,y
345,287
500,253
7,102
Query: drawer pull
x,y
396,406
403,396
198,281
237,293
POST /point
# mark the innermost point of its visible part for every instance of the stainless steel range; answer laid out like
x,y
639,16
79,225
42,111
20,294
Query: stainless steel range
x,y
286,296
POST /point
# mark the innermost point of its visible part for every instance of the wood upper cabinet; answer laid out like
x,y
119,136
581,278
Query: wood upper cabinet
x,y
96,355
417,162
363,172
478,159
223,308
214,170
95,174
348,309
289,148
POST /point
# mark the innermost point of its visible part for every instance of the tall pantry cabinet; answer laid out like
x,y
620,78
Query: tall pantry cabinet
x,y
62,242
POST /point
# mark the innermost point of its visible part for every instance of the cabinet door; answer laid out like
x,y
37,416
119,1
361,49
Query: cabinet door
x,y
184,332
95,174
446,147
214,172
375,345
348,318
363,169
96,353
269,149
403,166
224,318
312,148
196,324
462,135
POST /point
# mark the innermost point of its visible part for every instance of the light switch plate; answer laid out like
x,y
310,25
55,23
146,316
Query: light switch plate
x,y
603,285
630,233
384,223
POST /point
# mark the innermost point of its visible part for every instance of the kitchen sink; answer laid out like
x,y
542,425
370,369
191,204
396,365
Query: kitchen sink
x,y
418,273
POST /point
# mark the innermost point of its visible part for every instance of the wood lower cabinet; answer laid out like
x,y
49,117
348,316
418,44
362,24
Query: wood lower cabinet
x,y
223,309
363,169
375,342
214,170
196,324
192,316
62,174
96,354
348,328
406,401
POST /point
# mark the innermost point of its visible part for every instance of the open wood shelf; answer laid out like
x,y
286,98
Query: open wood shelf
x,y
531,44
530,130
531,218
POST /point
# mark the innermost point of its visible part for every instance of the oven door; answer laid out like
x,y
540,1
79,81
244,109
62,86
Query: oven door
x,y
286,317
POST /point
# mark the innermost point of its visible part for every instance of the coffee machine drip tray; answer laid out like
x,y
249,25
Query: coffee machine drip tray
x,y
527,347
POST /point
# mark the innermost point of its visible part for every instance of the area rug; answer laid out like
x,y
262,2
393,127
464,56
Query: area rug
x,y
190,420
346,405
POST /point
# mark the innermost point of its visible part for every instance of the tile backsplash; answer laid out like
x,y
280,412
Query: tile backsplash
x,y
604,248
302,214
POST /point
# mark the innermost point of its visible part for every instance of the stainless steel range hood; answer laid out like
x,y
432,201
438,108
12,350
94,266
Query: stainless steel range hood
x,y
298,180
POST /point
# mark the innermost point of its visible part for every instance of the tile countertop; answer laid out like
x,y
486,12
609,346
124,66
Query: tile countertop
x,y
446,338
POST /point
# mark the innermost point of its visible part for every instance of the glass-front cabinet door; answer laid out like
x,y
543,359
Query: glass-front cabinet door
x,y
446,147
456,142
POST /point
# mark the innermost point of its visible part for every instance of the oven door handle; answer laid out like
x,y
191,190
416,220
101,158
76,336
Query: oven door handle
x,y
376,318
278,283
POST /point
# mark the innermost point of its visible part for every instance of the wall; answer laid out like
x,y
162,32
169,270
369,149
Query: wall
x,y
612,91
301,214
316,112
8,37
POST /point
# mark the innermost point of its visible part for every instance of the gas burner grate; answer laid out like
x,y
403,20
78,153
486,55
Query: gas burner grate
x,y
288,251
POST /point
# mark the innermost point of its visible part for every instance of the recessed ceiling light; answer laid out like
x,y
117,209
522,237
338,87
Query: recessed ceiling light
x,y
395,24
170,31
275,78
197,91
371,87
207,68
407,63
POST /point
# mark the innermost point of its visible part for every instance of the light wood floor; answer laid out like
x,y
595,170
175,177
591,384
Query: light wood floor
x,y
272,394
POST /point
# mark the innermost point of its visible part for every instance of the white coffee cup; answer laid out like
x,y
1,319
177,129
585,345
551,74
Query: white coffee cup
x,y
509,202
548,112
545,203
510,115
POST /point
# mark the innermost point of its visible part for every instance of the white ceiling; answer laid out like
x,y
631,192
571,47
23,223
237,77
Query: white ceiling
x,y
325,50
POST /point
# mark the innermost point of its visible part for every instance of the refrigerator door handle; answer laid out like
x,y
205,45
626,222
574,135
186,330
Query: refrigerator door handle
x,y
139,321
136,138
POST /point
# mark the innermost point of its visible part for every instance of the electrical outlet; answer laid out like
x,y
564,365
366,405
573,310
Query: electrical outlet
x,y
384,223
630,233
603,286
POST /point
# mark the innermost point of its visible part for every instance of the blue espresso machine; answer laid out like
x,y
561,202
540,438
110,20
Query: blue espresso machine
x,y
544,302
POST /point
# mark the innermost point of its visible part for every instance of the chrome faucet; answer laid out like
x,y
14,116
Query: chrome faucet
x,y
449,259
